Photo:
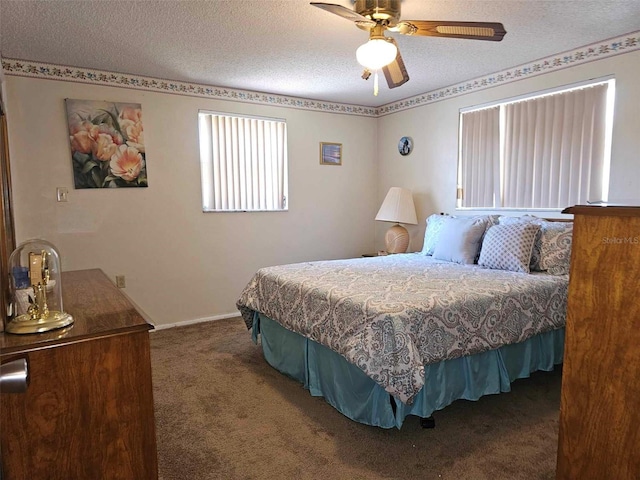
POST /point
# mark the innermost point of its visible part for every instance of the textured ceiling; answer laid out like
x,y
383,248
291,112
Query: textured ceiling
x,y
288,47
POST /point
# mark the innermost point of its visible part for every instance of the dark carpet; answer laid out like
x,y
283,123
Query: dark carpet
x,y
223,413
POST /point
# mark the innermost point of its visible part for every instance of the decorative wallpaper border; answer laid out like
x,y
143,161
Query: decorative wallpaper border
x,y
596,51
25,68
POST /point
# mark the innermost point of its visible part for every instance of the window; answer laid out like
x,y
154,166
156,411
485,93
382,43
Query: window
x,y
243,162
542,152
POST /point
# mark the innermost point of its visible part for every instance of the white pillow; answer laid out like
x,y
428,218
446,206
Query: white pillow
x,y
459,239
508,247
432,232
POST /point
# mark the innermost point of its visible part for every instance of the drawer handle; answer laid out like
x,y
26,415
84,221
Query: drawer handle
x,y
14,376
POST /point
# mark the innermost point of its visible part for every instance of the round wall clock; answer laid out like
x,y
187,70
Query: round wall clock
x,y
405,145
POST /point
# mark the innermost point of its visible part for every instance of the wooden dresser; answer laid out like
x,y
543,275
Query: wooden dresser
x,y
600,403
88,410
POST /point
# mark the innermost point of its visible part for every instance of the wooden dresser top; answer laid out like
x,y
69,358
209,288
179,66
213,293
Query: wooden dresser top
x,y
604,210
98,308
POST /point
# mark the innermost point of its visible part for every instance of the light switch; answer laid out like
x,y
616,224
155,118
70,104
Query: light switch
x,y
62,194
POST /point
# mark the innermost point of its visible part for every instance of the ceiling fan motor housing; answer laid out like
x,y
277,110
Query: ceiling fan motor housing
x,y
388,10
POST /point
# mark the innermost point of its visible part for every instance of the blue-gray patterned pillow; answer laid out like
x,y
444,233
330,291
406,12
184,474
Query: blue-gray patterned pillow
x,y
509,247
552,248
535,254
491,221
432,232
555,247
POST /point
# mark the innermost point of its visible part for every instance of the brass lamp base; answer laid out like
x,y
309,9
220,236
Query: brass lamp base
x,y
24,324
396,239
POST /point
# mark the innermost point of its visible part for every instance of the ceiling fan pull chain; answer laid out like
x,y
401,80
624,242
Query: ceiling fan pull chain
x,y
375,83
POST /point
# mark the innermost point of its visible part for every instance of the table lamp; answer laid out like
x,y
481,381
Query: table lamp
x,y
397,207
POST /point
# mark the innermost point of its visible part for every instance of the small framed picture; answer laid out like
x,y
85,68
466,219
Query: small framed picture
x,y
405,146
330,153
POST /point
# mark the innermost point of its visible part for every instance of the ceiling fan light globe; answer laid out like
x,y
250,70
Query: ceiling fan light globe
x,y
376,53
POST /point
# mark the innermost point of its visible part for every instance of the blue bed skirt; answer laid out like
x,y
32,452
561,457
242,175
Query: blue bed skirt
x,y
327,374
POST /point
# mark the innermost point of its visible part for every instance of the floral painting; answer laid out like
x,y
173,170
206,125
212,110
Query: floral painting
x,y
107,144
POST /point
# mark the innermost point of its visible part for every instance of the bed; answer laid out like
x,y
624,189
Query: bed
x,y
382,338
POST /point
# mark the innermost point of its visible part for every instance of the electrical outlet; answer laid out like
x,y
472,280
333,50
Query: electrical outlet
x,y
120,282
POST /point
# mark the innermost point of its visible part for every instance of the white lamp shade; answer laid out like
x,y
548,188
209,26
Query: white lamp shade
x,y
398,207
376,53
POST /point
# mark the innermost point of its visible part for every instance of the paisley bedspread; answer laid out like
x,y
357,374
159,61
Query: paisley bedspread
x,y
392,315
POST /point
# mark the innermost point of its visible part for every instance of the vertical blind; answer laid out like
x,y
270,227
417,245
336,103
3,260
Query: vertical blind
x,y
550,153
243,163
480,158
554,149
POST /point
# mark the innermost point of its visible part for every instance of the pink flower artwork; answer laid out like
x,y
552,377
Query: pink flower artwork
x,y
127,163
107,144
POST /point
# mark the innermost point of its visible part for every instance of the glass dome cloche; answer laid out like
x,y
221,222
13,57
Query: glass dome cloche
x,y
35,288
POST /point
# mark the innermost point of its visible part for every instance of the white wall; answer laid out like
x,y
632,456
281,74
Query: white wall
x,y
181,264
431,169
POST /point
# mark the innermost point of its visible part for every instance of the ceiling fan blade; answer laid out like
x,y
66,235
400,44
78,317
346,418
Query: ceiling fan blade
x,y
345,12
396,73
472,30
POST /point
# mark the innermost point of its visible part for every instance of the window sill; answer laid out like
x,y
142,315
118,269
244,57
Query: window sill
x,y
540,212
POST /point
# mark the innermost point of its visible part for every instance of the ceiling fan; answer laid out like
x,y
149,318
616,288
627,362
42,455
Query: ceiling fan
x,y
381,52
